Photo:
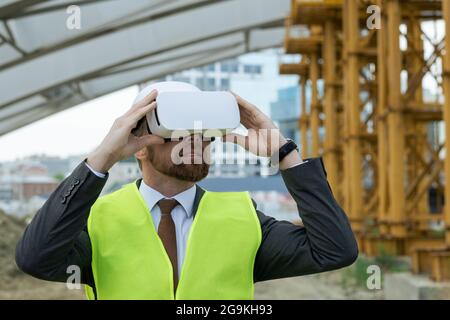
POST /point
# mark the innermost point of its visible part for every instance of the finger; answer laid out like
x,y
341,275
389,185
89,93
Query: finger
x,y
242,102
130,121
138,114
247,110
143,102
147,99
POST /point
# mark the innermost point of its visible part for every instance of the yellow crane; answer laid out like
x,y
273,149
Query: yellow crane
x,y
383,149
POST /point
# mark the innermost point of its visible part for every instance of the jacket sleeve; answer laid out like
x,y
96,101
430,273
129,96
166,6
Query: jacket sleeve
x,y
57,236
326,241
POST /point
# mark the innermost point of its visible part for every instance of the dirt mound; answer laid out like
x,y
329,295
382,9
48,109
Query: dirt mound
x,y
14,284
11,230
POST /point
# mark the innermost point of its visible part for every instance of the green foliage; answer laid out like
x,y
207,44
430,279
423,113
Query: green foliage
x,y
388,262
356,274
59,176
438,233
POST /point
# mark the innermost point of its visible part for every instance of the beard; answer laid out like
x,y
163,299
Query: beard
x,y
185,172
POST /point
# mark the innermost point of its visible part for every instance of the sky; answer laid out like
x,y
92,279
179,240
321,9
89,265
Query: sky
x,y
70,132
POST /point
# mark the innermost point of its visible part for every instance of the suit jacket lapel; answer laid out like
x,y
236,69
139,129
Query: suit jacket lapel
x,y
198,196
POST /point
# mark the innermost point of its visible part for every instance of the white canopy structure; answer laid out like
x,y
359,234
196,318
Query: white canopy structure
x,y
47,67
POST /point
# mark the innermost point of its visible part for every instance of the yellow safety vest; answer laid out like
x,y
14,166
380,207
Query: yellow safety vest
x,y
129,260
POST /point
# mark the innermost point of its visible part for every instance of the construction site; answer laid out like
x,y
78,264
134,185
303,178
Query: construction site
x,y
367,65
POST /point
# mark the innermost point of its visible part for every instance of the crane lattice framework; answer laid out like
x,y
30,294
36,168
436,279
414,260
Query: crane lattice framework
x,y
383,149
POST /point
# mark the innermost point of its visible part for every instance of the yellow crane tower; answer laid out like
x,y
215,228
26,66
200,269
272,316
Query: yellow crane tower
x,y
384,146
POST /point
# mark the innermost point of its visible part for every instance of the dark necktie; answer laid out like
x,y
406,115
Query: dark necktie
x,y
166,231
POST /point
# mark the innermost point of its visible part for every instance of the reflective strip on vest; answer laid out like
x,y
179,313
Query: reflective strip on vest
x,y
129,260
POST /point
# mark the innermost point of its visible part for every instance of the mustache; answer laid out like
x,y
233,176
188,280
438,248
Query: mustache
x,y
195,148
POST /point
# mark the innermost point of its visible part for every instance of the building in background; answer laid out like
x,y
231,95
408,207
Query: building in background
x,y
54,165
123,172
219,76
24,187
26,180
285,111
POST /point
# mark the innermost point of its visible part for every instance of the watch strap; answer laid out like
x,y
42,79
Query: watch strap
x,y
284,150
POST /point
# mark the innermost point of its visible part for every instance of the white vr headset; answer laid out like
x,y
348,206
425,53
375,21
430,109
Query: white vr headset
x,y
182,109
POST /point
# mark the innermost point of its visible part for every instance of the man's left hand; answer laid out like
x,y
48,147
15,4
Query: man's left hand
x,y
264,138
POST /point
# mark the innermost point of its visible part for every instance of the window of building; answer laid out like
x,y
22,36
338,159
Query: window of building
x,y
234,66
181,79
252,69
229,66
224,84
208,68
200,83
210,84
224,67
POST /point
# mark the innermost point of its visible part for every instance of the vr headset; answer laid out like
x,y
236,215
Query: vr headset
x,y
181,113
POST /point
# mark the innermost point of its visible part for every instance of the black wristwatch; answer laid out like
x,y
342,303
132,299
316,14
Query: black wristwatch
x,y
284,150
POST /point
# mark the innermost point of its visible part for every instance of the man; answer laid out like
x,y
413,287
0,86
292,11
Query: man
x,y
164,237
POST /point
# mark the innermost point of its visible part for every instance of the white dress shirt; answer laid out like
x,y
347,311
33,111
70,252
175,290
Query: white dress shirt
x,y
182,215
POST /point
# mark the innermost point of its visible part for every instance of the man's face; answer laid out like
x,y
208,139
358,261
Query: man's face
x,y
187,159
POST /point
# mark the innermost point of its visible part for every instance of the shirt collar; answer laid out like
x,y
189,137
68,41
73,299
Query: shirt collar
x,y
152,196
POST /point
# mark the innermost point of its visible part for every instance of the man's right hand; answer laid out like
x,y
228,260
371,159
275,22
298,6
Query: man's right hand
x,y
120,143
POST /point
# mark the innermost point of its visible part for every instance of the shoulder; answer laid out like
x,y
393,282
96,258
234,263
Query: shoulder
x,y
201,192
116,196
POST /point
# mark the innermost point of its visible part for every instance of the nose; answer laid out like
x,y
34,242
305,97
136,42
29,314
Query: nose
x,y
197,138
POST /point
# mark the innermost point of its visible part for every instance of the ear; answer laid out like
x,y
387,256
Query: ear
x,y
141,154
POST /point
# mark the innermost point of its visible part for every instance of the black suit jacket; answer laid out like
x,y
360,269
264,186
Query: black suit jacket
x,y
57,236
